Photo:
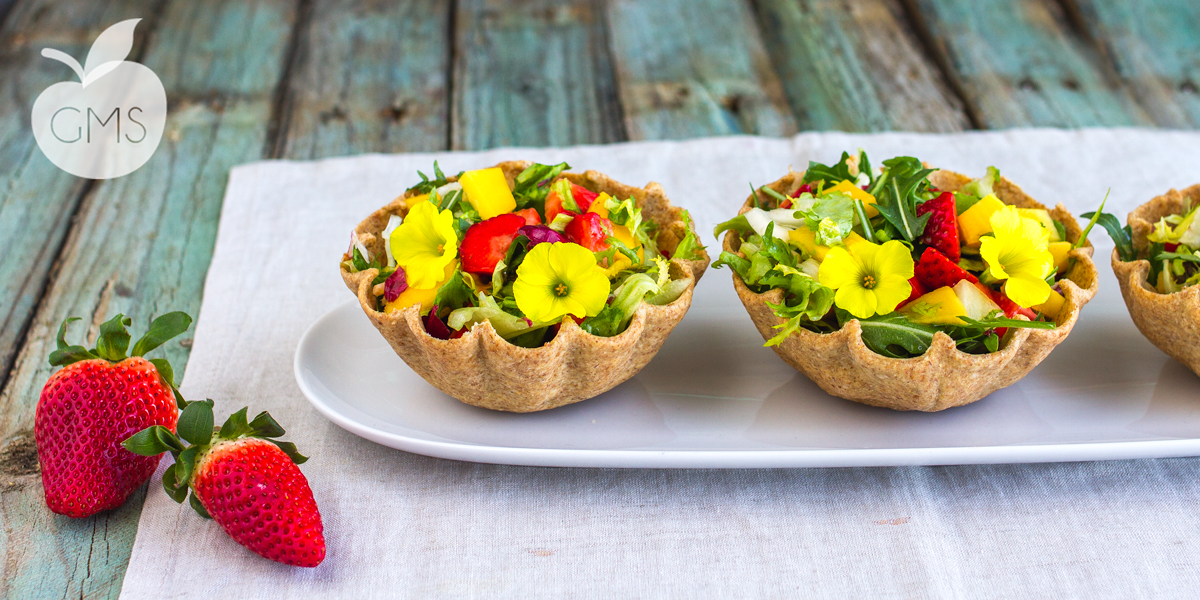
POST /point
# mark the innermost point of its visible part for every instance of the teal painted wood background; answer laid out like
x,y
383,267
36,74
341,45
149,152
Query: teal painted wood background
x,y
252,79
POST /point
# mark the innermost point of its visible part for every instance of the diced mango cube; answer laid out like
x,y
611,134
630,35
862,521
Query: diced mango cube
x,y
939,307
1042,216
1052,306
409,203
1059,251
847,187
977,220
422,297
598,205
806,240
623,234
487,190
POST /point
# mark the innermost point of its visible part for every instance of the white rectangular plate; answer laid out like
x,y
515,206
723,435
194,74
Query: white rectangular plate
x,y
715,398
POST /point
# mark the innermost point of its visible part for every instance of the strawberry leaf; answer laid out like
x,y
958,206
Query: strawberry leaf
x,y
184,465
177,493
265,426
153,441
114,338
290,450
161,330
196,423
66,354
199,508
235,426
168,375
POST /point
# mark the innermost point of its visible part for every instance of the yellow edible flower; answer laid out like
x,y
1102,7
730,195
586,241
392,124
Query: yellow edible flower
x,y
1018,251
869,278
424,244
557,279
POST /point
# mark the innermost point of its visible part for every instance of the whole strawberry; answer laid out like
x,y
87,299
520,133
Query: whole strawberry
x,y
97,400
242,479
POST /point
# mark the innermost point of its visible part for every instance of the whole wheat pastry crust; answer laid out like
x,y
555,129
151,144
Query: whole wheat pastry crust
x,y
943,377
1170,321
482,369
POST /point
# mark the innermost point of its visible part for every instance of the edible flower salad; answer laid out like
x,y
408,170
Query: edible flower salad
x,y
522,255
1174,246
907,260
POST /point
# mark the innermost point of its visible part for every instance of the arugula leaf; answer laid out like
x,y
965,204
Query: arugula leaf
x,y
831,174
533,184
427,185
907,182
893,335
1122,237
1190,257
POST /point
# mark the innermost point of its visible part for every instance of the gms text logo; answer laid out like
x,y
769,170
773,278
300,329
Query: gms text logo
x,y
108,123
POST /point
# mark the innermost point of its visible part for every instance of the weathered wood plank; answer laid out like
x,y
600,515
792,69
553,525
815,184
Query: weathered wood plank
x,y
1017,64
532,72
370,76
691,68
141,246
855,66
36,198
1155,50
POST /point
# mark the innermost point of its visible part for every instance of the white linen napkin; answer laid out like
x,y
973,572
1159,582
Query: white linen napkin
x,y
403,525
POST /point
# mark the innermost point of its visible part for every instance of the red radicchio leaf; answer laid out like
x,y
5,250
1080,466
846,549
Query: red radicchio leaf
x,y
395,285
804,189
435,326
540,233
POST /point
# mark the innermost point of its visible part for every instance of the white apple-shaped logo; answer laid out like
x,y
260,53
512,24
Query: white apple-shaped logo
x,y
108,123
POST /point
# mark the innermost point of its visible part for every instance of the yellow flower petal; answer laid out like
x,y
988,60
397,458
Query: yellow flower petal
x,y
839,269
424,243
1027,291
1019,250
557,279
893,258
856,300
891,291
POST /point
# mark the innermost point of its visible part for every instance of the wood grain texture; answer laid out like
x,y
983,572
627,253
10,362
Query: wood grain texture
x,y
691,68
370,76
1017,64
1154,48
532,73
37,199
141,246
855,66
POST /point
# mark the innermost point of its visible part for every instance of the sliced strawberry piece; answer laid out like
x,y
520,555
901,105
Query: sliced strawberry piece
x,y
935,270
486,242
583,197
941,231
530,215
918,290
589,230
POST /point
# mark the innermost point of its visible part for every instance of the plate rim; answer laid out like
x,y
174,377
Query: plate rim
x,y
740,458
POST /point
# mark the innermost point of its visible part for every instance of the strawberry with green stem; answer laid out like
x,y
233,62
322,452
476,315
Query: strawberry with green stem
x,y
97,399
242,478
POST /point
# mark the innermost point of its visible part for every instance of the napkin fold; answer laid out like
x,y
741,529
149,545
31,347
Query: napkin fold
x,y
403,525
